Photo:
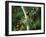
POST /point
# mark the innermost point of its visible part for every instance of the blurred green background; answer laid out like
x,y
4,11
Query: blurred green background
x,y
33,18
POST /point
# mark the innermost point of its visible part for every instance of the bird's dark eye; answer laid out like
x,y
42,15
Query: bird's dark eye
x,y
27,13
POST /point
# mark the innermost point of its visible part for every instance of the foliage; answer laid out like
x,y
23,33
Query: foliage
x,y
33,18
